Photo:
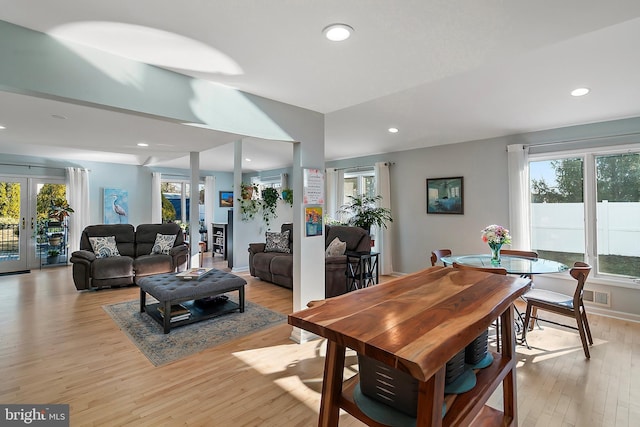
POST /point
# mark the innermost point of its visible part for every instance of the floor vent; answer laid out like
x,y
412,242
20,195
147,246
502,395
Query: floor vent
x,y
597,297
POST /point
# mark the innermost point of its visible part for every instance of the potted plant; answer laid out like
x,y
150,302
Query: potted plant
x,y
53,256
269,203
59,209
247,190
287,196
249,208
364,212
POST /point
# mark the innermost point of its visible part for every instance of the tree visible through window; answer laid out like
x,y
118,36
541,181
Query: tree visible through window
x,y
562,223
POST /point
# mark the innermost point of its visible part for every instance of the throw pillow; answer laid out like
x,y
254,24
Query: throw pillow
x,y
277,242
104,247
336,248
163,244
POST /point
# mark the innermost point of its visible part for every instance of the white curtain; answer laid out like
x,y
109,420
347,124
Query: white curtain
x,y
334,191
156,199
209,205
519,216
78,197
384,236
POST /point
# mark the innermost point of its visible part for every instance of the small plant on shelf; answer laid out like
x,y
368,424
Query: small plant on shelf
x,y
59,209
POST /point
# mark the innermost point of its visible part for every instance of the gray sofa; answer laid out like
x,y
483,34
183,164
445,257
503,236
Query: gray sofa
x,y
276,267
135,260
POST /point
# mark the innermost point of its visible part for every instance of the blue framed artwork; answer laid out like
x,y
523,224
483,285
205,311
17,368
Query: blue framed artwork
x,y
226,199
116,206
445,196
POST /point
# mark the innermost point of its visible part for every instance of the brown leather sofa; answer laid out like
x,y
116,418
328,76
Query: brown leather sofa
x,y
135,260
277,267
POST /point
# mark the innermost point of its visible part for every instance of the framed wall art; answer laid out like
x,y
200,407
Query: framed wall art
x,y
445,195
226,199
116,206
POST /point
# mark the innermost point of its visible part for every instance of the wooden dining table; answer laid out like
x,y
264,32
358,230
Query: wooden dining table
x,y
416,323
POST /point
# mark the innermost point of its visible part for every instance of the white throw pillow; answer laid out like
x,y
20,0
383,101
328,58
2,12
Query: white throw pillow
x,y
163,244
104,247
336,248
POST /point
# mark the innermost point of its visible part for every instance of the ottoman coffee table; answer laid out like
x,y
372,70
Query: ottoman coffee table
x,y
200,297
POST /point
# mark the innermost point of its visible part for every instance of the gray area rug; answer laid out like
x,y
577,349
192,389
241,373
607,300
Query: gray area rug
x,y
183,341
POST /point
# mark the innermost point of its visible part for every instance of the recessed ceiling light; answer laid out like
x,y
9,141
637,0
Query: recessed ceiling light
x,y
59,116
337,32
248,159
142,144
581,91
393,130
2,127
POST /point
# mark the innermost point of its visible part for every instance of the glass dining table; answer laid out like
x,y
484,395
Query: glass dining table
x,y
513,264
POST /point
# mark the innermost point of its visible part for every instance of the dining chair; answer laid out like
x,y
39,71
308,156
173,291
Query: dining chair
x,y
524,254
438,254
495,270
565,305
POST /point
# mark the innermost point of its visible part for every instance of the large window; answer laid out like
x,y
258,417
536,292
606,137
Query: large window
x,y
587,208
176,202
359,182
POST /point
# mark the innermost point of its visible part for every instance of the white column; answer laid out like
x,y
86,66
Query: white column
x,y
194,236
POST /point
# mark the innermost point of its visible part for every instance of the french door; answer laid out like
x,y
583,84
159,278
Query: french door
x,y
23,211
14,226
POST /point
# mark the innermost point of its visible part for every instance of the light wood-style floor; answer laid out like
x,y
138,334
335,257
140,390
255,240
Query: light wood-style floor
x,y
58,345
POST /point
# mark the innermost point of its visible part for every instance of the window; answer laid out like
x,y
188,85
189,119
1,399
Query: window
x,y
587,208
176,201
359,182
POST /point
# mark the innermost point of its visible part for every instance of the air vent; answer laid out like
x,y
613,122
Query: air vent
x,y
597,297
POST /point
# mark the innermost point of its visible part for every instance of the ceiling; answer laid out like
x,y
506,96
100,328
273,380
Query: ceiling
x,y
440,71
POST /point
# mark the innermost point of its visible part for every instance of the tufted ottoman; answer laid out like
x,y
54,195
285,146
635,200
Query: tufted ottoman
x,y
194,295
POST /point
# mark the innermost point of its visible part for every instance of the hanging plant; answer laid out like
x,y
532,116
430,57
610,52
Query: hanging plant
x,y
247,190
270,198
287,196
248,208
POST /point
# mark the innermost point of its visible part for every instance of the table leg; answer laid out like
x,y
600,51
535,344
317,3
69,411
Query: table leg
x,y
431,399
332,385
167,317
143,300
509,394
241,298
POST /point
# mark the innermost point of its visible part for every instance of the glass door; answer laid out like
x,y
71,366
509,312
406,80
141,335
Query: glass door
x,y
14,227
50,243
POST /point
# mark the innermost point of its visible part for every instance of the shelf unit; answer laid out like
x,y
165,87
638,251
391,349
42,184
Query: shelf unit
x,y
56,239
220,239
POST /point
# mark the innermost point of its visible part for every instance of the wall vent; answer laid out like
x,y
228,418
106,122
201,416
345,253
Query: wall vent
x,y
597,297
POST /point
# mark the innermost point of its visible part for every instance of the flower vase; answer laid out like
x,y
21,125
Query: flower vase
x,y
495,253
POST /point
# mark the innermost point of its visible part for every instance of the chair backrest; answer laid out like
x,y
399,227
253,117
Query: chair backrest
x,y
580,271
516,252
439,253
494,270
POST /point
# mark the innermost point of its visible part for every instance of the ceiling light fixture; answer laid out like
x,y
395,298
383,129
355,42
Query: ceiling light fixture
x,y
248,159
337,32
581,91
142,144
393,130
59,116
2,127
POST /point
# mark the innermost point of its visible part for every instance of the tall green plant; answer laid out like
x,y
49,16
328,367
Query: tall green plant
x,y
363,211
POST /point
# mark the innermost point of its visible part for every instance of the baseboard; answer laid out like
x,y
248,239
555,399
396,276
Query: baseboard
x,y
591,309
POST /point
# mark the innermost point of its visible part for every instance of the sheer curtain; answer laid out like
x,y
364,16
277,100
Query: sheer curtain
x,y
156,199
334,192
209,204
384,236
78,195
519,217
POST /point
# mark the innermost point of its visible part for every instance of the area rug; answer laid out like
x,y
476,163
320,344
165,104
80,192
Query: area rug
x,y
160,348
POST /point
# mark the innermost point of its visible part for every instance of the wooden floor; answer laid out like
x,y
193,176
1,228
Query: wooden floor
x,y
58,345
